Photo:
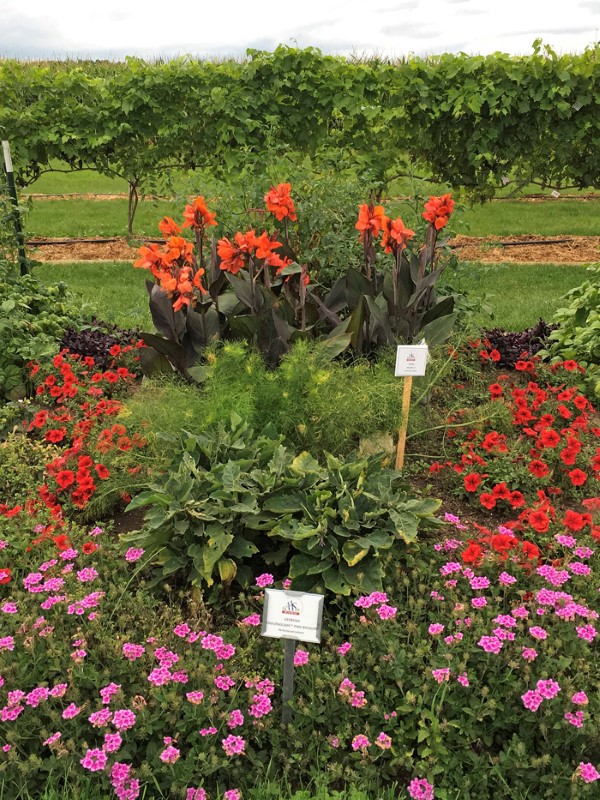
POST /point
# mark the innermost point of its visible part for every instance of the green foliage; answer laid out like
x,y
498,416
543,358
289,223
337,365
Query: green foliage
x,y
466,120
22,464
233,501
578,337
33,318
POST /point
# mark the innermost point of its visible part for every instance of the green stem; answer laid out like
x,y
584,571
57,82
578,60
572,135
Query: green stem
x,y
442,427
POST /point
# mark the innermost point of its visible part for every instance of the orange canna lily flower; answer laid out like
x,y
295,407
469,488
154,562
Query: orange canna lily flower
x,y
197,215
395,235
370,218
149,256
234,256
438,210
198,281
264,247
279,202
168,226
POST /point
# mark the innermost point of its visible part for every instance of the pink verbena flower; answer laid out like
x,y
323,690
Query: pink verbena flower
x,y
235,718
532,700
383,741
195,697
360,742
300,658
100,718
344,648
587,632
441,675
266,579
232,794
133,651
253,620
580,699
420,789
224,682
123,719
548,689
54,738
233,745
538,633
195,794
575,719
529,653
588,772
94,760
169,755
386,612
70,711
491,644
435,628
134,554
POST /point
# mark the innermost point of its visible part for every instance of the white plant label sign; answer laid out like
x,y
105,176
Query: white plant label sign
x,y
411,359
292,615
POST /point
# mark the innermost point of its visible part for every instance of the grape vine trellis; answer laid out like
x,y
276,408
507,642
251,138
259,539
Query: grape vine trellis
x,y
466,120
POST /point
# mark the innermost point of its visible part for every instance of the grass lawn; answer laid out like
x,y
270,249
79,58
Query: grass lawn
x,y
75,218
515,218
116,290
519,294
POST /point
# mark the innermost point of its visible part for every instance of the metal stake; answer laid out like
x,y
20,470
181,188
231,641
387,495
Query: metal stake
x,y
10,179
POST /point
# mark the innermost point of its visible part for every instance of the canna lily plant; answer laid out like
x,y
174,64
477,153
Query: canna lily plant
x,y
400,304
251,287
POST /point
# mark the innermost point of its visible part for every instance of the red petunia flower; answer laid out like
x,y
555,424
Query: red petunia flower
x,y
472,481
538,468
539,521
487,500
472,555
578,477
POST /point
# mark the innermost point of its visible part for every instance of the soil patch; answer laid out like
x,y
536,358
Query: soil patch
x,y
489,249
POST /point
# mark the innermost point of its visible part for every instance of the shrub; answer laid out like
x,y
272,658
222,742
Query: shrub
x,y
578,335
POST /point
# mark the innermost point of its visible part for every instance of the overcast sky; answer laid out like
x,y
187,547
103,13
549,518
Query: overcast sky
x,y
116,28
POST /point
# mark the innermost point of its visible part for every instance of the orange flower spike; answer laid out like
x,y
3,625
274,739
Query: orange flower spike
x,y
198,281
168,227
197,215
279,202
395,235
438,210
370,218
149,256
264,245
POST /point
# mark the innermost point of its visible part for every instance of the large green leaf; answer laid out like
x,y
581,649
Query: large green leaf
x,y
438,330
353,552
305,464
336,582
406,525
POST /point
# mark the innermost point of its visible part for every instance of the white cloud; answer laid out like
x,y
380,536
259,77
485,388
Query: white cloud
x,y
114,28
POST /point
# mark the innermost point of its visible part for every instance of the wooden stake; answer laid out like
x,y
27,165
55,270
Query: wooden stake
x,y
288,679
406,390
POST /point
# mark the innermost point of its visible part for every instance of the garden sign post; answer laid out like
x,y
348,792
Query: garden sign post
x,y
293,616
411,360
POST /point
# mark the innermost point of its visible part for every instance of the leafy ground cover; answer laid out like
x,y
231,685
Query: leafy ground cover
x,y
458,657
